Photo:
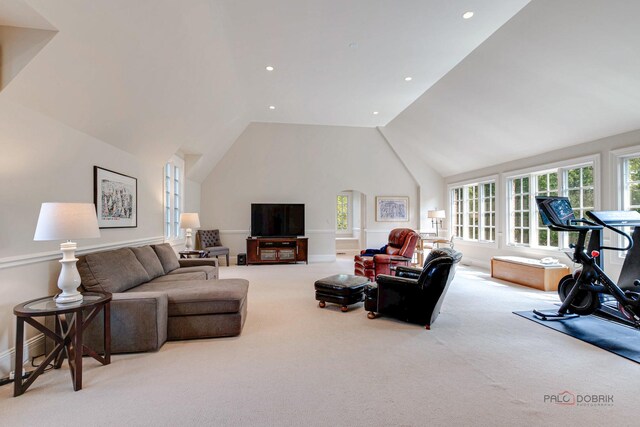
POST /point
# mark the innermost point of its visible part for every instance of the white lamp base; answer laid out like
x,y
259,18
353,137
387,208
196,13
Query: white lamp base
x,y
188,244
69,279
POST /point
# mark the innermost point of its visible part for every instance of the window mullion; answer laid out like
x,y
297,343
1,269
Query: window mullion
x,y
481,220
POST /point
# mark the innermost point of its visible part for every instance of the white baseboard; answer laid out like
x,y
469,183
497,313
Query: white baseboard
x,y
476,263
349,252
32,347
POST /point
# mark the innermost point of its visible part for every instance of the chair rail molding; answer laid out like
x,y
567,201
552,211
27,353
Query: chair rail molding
x,y
35,258
308,231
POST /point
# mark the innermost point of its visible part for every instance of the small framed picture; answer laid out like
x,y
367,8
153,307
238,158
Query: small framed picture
x,y
116,198
392,208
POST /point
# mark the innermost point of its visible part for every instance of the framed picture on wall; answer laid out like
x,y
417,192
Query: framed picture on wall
x,y
392,208
116,198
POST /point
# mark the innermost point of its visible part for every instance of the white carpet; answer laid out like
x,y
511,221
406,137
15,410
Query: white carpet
x,y
296,364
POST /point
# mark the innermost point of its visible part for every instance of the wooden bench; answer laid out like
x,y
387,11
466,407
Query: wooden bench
x,y
528,272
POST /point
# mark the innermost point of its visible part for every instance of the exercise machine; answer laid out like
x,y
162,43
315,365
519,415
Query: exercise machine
x,y
585,291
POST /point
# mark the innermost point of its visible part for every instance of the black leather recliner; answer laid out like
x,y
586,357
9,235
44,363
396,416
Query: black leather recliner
x,y
413,294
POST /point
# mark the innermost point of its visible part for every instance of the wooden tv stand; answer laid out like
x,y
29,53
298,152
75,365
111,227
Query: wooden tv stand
x,y
277,250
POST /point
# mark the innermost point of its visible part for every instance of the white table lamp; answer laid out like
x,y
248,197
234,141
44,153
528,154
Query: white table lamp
x,y
189,221
66,221
436,218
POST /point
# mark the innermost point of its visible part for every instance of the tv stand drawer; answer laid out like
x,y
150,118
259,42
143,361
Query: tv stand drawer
x,y
268,255
287,254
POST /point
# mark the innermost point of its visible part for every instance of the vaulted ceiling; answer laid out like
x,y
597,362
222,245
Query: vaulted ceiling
x,y
165,76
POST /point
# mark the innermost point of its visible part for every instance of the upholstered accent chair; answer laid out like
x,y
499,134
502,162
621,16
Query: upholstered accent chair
x,y
398,251
209,240
414,294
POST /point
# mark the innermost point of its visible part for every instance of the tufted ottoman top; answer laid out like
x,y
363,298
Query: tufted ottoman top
x,y
341,284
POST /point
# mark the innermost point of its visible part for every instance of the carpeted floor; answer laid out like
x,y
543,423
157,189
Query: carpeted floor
x,y
298,365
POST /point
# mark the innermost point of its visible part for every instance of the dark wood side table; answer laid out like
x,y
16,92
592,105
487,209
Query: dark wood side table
x,y
194,254
70,322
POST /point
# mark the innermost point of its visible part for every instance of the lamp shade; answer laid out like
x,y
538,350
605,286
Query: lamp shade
x,y
67,221
436,214
189,220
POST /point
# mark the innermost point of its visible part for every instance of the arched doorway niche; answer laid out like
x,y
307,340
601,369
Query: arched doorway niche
x,y
350,221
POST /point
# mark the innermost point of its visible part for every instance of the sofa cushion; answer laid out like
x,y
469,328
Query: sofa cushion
x,y
209,271
149,260
206,325
201,296
112,271
167,257
171,277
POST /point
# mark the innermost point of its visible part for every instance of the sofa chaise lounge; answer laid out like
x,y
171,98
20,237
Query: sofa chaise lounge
x,y
158,297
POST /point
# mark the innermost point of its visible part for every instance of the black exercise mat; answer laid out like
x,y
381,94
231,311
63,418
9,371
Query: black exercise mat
x,y
621,340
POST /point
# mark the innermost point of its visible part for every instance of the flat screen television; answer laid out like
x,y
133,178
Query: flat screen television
x,y
277,219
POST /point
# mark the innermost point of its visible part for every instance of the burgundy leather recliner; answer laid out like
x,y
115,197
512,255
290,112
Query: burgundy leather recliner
x,y
399,251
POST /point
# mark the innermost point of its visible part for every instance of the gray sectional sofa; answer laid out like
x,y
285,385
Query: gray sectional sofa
x,y
158,297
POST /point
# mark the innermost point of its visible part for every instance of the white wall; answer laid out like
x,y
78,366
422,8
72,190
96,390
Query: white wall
x,y
430,182
480,254
192,191
44,160
17,47
279,163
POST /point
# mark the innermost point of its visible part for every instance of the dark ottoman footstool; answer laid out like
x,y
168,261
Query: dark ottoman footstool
x,y
342,289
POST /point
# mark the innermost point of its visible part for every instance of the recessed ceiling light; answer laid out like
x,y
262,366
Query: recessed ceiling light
x,y
353,45
272,107
408,79
269,68
467,15
375,113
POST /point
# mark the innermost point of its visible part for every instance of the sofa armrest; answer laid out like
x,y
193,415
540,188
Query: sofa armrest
x,y
196,262
138,323
382,259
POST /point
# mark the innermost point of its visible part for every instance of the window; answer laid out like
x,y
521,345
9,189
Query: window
x,y
580,190
342,213
173,202
489,211
520,210
547,185
525,225
473,211
457,211
167,200
176,201
630,196
631,184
